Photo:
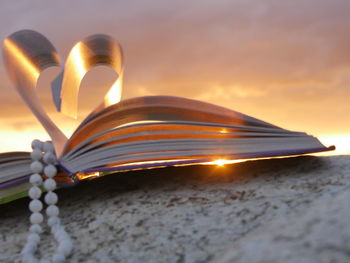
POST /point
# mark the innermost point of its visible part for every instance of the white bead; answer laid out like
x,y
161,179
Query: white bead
x,y
35,205
54,220
50,184
35,179
49,157
58,258
36,154
33,238
51,198
50,170
36,144
34,192
55,229
31,259
48,147
65,247
36,167
28,255
52,210
35,229
29,248
36,218
61,235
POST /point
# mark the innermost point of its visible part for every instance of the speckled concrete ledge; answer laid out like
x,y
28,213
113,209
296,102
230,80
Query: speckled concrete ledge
x,y
258,211
317,234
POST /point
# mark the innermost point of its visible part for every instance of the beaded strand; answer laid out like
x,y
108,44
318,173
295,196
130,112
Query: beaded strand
x,y
43,161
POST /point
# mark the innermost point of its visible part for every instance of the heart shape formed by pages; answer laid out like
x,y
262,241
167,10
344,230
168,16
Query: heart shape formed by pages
x,y
28,53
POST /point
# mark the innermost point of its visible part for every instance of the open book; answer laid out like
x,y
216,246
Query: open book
x,y
138,133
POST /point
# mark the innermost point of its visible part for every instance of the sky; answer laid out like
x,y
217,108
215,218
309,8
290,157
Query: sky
x,y
285,62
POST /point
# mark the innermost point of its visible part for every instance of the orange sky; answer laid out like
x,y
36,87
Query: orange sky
x,y
286,62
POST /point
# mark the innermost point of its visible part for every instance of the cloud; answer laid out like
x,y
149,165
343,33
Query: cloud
x,y
284,61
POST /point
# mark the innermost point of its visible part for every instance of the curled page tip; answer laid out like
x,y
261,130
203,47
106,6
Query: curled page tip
x,y
91,51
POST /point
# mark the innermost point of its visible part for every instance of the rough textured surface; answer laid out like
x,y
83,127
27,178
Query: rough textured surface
x,y
282,210
318,234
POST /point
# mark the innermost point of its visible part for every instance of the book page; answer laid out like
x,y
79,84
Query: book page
x,y
159,108
26,54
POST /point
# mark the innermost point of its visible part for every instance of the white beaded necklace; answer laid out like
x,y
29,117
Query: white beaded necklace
x,y
43,160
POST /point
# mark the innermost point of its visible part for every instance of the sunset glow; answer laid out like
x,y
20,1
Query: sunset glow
x,y
223,162
341,142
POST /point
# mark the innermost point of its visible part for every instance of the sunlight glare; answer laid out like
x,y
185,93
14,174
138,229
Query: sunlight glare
x,y
77,60
114,94
22,60
222,162
341,142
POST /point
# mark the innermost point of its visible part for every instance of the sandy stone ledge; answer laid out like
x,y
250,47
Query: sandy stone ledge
x,y
282,210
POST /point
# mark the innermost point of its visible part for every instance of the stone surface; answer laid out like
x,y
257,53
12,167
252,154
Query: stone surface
x,y
319,233
281,210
